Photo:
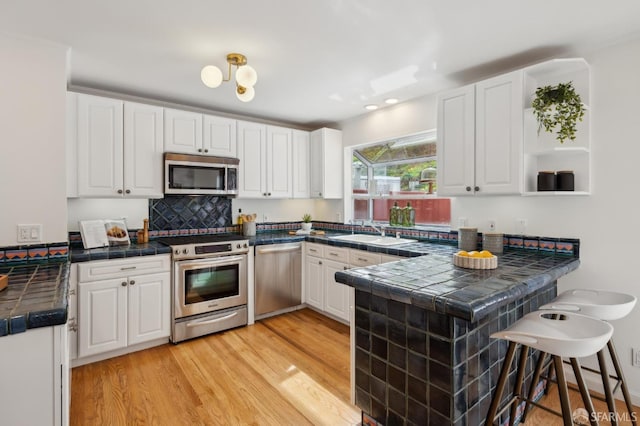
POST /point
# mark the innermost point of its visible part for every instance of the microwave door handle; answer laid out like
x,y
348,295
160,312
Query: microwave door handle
x,y
211,321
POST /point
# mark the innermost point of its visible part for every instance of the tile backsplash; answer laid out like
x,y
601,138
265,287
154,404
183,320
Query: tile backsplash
x,y
188,212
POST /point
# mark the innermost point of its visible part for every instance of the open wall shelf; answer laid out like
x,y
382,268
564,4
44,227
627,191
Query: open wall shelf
x,y
542,151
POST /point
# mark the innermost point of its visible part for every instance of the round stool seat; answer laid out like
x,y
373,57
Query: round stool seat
x,y
602,304
560,333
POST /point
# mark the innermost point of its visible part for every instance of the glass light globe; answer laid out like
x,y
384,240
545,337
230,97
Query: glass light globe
x,y
246,76
211,76
248,94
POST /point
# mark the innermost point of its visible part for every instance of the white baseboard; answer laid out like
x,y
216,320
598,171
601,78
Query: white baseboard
x,y
594,383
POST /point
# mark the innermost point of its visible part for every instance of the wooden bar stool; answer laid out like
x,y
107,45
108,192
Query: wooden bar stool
x,y
559,334
606,306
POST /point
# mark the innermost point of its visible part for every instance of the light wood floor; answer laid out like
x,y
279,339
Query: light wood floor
x,y
292,369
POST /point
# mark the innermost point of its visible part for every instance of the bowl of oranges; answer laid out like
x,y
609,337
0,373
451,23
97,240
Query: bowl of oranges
x,y
475,259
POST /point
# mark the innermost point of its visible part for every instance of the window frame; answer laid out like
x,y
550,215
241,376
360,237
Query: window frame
x,y
351,151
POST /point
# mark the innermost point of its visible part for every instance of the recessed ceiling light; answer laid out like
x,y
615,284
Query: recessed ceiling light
x,y
371,107
391,101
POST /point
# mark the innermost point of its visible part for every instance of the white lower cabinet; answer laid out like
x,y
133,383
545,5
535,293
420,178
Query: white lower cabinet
x,y
321,264
124,303
34,374
336,295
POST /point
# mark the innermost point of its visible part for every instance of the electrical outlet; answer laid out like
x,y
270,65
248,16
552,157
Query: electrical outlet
x,y
462,221
635,357
492,224
338,217
30,233
265,217
521,226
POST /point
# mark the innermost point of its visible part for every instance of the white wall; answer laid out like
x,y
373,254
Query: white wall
x,y
32,118
605,222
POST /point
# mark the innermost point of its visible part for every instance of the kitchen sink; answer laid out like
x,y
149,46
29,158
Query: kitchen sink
x,y
372,239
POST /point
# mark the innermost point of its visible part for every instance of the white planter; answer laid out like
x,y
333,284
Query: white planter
x,y
306,226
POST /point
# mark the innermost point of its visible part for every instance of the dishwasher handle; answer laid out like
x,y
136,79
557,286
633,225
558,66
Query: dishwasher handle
x,y
279,248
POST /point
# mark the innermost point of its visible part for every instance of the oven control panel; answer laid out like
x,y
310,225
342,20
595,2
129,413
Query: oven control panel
x,y
197,251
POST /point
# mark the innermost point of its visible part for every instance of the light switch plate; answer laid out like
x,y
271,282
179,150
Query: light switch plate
x,y
29,233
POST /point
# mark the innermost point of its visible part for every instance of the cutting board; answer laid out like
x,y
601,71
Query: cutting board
x,y
4,281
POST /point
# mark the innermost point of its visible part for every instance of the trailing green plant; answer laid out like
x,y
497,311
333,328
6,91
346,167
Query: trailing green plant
x,y
560,106
306,218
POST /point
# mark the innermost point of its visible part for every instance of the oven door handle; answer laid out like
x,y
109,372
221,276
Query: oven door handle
x,y
213,261
211,321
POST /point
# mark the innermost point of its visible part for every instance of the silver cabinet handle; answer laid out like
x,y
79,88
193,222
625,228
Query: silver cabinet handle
x,y
127,268
128,191
123,283
362,260
132,282
333,254
119,191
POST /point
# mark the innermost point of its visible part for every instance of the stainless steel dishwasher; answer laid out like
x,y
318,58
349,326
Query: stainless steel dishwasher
x,y
278,281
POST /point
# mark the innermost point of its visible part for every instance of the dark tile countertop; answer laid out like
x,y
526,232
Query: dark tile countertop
x,y
428,281
35,297
117,252
434,283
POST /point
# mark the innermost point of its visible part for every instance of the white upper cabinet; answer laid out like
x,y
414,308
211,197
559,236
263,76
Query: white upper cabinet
x,y
100,146
301,184
194,133
182,131
279,160
326,163
143,148
480,134
252,147
219,136
265,154
118,147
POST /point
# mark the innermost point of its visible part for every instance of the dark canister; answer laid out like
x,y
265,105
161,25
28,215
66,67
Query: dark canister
x,y
565,180
546,181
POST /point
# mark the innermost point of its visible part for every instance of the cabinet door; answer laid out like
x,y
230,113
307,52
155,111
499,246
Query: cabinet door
x,y
143,148
252,154
182,131
499,134
300,164
219,136
99,146
336,295
326,163
102,316
456,142
314,282
279,158
149,307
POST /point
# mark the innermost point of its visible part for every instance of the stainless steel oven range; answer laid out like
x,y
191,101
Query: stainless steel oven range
x,y
209,284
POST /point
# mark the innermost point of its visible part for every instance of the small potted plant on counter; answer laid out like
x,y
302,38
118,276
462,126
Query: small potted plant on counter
x,y
306,222
558,108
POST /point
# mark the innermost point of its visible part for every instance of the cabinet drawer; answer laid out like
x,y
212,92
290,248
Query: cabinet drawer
x,y
316,250
363,258
337,254
107,269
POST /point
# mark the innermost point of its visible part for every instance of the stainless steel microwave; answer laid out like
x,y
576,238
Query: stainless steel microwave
x,y
200,175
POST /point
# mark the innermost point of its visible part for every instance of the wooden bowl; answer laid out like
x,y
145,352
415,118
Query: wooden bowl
x,y
475,262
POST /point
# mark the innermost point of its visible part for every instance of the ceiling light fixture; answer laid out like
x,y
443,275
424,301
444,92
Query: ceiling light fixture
x,y
246,76
391,101
371,107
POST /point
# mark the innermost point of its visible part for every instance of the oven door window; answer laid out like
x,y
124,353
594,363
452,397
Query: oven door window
x,y
196,177
211,283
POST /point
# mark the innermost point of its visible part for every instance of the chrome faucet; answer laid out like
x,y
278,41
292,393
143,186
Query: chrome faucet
x,y
373,225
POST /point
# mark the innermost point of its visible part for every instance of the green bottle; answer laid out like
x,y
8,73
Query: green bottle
x,y
409,216
394,215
